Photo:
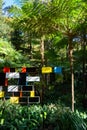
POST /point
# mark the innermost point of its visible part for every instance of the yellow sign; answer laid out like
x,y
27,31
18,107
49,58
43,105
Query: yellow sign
x,y
32,93
1,94
46,69
14,99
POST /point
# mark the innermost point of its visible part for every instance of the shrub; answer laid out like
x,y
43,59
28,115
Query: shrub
x,y
62,118
37,117
16,117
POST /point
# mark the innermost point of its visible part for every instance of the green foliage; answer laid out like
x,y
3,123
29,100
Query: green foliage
x,y
17,39
37,18
57,18
16,117
61,118
9,56
34,117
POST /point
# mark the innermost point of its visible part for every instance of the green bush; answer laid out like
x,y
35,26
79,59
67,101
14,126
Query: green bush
x,y
61,118
16,117
37,117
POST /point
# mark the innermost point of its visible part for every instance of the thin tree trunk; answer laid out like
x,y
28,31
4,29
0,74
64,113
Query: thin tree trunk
x,y
72,90
42,50
84,62
84,71
72,70
30,45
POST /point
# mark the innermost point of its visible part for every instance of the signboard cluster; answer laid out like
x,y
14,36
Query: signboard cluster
x,y
57,70
15,83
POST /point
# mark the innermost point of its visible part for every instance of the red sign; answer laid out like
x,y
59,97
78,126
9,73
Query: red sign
x,y
6,69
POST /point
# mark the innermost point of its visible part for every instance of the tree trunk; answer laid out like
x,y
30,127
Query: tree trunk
x,y
29,45
84,62
42,50
72,70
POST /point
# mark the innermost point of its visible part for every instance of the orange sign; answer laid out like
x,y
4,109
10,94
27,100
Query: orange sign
x,y
24,70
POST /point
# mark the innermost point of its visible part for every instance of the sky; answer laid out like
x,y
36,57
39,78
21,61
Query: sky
x,y
8,2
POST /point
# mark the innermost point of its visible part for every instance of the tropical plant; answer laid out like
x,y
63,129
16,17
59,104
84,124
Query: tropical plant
x,y
5,28
9,56
40,20
34,117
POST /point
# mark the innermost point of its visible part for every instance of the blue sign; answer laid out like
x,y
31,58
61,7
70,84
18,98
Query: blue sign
x,y
58,70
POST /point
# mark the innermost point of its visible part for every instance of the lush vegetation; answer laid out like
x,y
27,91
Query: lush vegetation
x,y
37,117
47,33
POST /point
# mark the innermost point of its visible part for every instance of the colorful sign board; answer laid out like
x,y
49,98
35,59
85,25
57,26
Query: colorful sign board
x,y
13,75
12,88
58,70
1,88
1,94
32,93
46,70
32,78
6,69
14,99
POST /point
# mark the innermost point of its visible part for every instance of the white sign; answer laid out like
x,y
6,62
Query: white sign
x,y
13,75
12,88
32,78
1,88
